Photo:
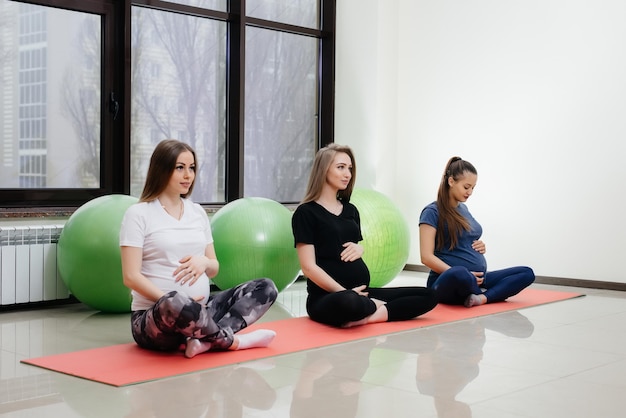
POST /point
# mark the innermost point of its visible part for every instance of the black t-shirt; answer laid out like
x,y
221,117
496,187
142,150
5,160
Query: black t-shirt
x,y
312,224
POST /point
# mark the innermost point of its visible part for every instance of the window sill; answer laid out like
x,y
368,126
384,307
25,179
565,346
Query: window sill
x,y
30,213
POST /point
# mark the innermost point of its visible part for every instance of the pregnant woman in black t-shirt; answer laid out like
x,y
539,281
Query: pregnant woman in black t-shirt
x,y
327,229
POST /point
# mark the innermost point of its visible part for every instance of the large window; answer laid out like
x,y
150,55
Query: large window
x,y
280,113
178,90
87,93
50,64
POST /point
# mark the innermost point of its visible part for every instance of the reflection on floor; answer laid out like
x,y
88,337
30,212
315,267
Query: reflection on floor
x,y
565,359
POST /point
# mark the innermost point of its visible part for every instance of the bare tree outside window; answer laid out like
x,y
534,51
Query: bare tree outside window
x,y
206,4
81,99
280,113
293,12
179,91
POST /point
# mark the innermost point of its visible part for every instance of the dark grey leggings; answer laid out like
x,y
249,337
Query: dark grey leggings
x,y
176,316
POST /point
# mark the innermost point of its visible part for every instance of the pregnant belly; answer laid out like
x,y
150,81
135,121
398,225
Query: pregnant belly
x,y
348,274
201,287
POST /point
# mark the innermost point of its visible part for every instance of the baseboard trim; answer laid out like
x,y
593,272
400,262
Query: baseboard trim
x,y
558,281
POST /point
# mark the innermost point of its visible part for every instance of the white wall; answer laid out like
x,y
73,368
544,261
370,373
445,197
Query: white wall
x,y
531,92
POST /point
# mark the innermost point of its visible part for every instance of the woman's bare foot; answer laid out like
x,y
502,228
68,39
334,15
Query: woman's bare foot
x,y
195,347
475,300
380,315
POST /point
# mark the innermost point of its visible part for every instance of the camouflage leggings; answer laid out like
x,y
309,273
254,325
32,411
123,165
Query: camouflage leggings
x,y
176,316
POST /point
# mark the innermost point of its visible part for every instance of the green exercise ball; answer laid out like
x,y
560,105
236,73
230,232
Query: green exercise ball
x,y
386,237
253,239
88,254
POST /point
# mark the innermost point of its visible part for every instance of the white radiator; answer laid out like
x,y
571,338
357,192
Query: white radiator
x,y
28,265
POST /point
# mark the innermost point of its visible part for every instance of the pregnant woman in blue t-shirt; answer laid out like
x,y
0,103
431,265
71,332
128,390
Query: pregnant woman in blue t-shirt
x,y
450,246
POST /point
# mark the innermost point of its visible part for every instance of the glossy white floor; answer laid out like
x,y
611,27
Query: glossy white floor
x,y
565,359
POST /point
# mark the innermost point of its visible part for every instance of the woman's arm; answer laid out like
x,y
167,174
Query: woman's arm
x,y
310,269
213,266
427,249
131,273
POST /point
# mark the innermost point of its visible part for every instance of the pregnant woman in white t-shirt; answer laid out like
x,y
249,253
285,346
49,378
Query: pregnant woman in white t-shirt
x,y
167,260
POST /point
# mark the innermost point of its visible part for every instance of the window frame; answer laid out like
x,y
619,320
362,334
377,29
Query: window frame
x,y
110,179
116,83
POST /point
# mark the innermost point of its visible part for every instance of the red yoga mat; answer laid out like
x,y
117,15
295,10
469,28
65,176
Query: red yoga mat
x,y
126,364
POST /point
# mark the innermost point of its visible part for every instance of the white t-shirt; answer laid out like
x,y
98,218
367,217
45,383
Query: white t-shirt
x,y
165,240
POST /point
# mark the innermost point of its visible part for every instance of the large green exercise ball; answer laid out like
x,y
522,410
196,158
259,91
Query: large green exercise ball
x,y
88,254
252,238
386,236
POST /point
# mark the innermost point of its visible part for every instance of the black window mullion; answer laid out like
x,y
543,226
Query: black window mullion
x,y
236,39
115,146
326,123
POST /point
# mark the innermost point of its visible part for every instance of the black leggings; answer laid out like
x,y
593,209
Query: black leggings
x,y
176,316
339,308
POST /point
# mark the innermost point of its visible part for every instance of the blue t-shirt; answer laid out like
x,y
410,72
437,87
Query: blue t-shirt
x,y
463,254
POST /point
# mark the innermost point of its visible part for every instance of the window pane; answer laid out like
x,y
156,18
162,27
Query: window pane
x,y
219,5
49,97
178,90
293,12
280,113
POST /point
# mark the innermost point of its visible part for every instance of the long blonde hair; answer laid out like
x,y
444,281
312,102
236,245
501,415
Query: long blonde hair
x,y
323,160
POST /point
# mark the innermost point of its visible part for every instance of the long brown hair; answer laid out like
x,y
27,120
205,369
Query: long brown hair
x,y
162,165
448,215
323,160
